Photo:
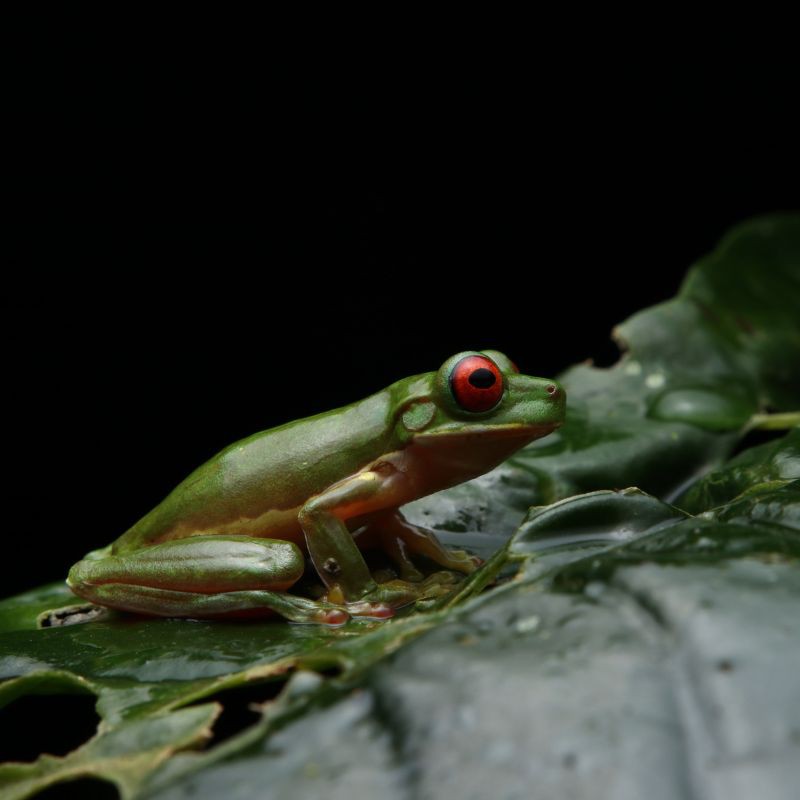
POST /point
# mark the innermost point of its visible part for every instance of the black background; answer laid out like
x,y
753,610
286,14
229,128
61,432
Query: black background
x,y
212,246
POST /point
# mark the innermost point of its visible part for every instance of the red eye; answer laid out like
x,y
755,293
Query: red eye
x,y
476,383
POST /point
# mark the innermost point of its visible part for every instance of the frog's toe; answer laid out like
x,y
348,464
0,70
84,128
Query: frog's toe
x,y
333,617
463,561
434,585
444,577
369,610
476,562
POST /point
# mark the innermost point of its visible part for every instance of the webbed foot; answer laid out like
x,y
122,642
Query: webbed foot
x,y
383,601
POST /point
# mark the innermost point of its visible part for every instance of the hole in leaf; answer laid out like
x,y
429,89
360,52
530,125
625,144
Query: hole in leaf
x,y
331,671
72,615
237,704
41,723
83,788
756,437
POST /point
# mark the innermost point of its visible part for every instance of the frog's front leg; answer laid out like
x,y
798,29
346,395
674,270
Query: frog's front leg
x,y
400,538
202,576
335,554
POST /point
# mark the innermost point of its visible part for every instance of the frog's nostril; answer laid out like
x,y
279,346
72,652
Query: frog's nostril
x,y
551,388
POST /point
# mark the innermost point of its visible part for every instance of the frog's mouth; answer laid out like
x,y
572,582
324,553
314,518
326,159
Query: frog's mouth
x,y
477,432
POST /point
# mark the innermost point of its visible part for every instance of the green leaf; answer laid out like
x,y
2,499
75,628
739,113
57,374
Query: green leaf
x,y
770,465
626,643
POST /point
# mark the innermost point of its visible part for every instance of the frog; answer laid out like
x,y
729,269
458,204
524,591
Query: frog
x,y
315,494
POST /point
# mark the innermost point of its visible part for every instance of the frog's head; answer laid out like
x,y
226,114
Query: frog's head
x,y
477,409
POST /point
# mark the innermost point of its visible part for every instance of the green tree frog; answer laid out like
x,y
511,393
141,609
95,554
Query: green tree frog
x,y
231,539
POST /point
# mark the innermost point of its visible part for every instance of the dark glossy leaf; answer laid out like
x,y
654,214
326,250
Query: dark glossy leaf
x,y
756,470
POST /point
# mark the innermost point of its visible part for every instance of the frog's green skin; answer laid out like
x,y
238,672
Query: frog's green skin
x,y
229,540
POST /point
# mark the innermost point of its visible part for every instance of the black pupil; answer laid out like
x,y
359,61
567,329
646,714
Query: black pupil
x,y
482,378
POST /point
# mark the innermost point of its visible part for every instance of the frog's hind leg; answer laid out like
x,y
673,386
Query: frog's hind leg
x,y
399,538
202,576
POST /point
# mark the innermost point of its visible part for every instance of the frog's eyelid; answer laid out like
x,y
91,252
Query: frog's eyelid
x,y
501,360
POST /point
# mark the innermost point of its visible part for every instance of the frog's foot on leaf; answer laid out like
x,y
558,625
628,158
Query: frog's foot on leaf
x,y
400,539
160,602
383,601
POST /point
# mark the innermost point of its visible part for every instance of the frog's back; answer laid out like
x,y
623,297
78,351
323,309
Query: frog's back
x,y
256,486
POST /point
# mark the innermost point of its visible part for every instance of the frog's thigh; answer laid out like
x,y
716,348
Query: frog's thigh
x,y
204,564
202,576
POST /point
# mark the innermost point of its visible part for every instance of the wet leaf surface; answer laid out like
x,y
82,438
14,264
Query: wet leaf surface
x,y
628,643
